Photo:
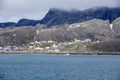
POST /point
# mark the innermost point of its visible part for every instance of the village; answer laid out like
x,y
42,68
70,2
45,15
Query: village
x,y
50,46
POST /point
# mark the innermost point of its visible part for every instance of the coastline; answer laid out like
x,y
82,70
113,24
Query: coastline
x,y
64,52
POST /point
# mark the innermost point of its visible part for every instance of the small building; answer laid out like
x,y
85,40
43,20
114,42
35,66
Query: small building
x,y
87,40
16,49
57,50
39,49
62,47
6,49
54,46
1,48
47,47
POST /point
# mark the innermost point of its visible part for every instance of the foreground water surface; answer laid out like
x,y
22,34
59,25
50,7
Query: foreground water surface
x,y
59,67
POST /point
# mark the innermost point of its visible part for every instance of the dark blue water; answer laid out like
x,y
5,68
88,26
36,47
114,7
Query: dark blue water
x,y
59,67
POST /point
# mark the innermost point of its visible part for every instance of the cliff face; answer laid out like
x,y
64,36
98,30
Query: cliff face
x,y
61,17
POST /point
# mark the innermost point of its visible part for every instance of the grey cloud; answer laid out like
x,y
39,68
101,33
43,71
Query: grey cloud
x,y
12,10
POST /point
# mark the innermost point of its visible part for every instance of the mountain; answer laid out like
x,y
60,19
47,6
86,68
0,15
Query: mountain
x,y
16,35
61,17
3,25
95,29
26,22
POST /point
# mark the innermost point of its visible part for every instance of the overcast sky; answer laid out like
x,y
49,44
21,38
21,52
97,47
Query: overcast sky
x,y
13,10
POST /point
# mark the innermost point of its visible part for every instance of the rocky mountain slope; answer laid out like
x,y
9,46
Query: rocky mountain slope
x,y
95,29
61,17
16,36
116,27
107,46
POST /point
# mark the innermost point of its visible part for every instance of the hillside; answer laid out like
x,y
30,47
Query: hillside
x,y
94,29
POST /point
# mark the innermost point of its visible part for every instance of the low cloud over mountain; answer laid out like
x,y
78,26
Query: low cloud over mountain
x,y
61,17
13,10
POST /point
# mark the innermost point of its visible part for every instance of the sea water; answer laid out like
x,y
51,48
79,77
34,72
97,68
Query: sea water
x,y
59,67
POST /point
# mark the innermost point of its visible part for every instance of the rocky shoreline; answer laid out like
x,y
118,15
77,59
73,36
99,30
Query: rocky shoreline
x,y
65,53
